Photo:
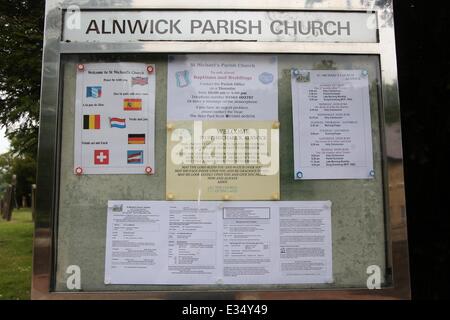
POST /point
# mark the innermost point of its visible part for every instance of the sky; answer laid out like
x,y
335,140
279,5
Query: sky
x,y
4,143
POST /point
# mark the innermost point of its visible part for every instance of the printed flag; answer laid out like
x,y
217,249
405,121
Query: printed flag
x,y
136,157
132,104
101,157
141,81
136,139
117,123
91,122
94,92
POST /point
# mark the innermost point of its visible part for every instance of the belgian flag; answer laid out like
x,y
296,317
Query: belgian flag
x,y
91,122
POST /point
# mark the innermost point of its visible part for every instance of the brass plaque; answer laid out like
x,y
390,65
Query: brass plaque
x,y
223,160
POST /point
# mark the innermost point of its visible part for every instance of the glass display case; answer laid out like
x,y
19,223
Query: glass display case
x,y
220,150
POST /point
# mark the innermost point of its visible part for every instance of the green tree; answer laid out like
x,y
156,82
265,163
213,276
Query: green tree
x,y
21,32
24,167
5,172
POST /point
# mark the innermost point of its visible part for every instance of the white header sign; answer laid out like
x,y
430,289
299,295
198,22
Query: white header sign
x,y
274,26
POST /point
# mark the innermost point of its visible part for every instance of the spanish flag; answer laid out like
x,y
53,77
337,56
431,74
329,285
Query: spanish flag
x,y
132,104
91,122
136,139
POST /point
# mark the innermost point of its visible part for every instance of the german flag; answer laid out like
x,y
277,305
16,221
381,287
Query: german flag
x,y
132,104
136,139
91,122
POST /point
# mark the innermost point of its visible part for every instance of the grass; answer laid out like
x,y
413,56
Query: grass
x,y
16,238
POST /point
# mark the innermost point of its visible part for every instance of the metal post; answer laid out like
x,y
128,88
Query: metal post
x,y
2,202
33,201
7,209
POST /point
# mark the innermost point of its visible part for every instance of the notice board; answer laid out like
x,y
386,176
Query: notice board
x,y
358,214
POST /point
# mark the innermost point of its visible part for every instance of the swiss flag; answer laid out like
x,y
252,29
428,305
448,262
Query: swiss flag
x,y
101,157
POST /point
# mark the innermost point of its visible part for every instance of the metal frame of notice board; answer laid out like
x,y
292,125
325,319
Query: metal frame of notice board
x,y
49,141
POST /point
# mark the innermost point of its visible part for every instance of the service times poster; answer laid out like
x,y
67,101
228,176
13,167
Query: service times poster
x,y
222,87
332,124
115,119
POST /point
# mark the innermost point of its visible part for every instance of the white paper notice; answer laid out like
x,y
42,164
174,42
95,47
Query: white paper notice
x,y
115,119
222,87
150,242
332,124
